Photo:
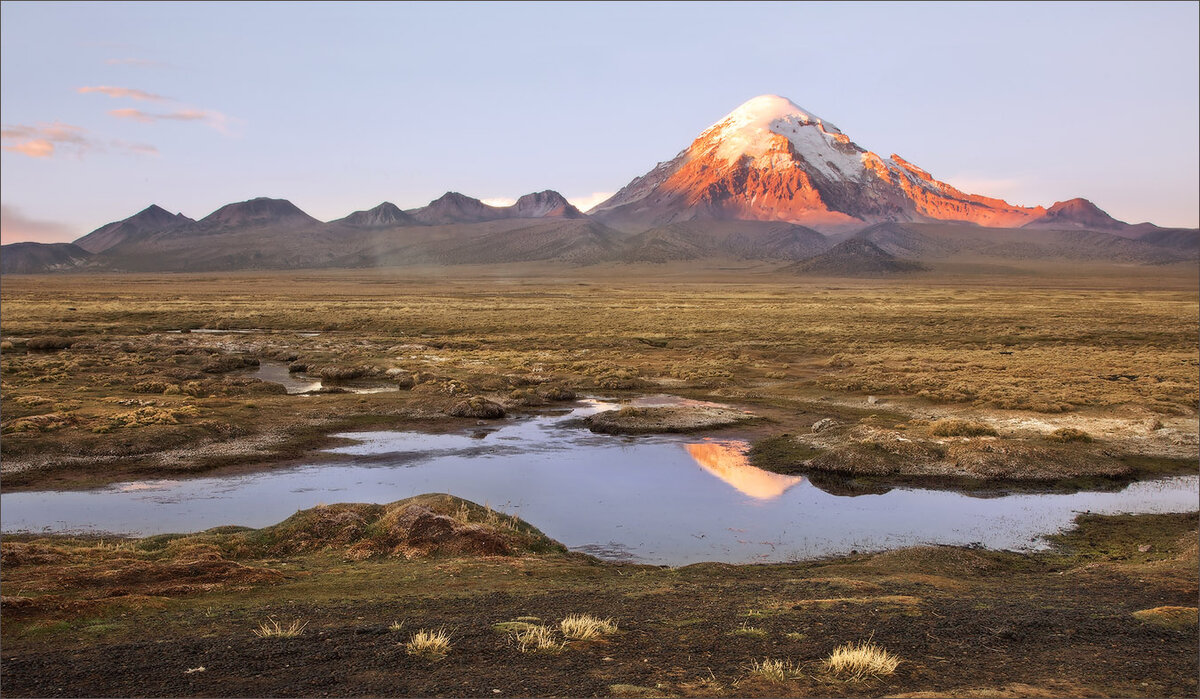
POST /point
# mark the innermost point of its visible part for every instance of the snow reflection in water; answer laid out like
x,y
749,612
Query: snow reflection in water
x,y
658,499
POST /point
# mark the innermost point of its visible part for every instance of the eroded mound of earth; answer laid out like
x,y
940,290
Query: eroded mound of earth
x,y
636,420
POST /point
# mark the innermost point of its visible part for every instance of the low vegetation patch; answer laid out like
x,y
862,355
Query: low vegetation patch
x,y
1070,434
746,630
537,638
954,427
858,661
48,343
1170,617
429,644
271,628
777,671
634,420
585,626
477,407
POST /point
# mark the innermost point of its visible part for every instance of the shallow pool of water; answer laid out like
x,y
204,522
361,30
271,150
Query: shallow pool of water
x,y
658,499
277,372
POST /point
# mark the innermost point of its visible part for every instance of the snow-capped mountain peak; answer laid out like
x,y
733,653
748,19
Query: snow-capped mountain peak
x,y
771,159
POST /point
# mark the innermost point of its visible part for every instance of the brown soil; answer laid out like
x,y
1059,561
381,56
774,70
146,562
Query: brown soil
x,y
964,622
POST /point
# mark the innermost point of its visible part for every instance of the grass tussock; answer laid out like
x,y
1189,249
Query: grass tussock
x,y
585,626
777,671
429,644
271,628
537,638
954,427
858,661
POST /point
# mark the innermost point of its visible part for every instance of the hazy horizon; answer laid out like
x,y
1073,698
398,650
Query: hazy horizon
x,y
109,108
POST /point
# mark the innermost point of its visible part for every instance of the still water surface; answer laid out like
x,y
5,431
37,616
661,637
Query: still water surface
x,y
660,499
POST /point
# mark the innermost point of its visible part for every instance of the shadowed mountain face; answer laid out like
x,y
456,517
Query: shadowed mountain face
x,y
1181,240
693,240
152,219
1077,214
453,207
38,258
254,213
740,191
386,215
855,257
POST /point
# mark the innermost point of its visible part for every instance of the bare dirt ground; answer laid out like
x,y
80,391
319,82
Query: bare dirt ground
x,y
1110,612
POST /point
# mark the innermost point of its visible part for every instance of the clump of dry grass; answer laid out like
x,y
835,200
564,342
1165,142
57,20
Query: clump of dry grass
x,y
430,644
585,626
537,639
954,427
857,661
271,628
1070,434
773,670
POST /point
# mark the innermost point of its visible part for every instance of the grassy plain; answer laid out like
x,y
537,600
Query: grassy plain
x,y
1042,377
1111,353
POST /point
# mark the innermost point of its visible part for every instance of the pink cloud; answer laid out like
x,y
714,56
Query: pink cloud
x,y
46,140
34,148
42,141
134,114
15,227
216,120
123,92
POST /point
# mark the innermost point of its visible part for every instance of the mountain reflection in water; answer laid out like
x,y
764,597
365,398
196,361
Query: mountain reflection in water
x,y
727,460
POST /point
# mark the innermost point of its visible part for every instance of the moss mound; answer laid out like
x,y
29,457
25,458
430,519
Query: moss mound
x,y
477,407
424,525
631,420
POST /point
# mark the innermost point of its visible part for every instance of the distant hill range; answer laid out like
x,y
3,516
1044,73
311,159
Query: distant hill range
x,y
769,182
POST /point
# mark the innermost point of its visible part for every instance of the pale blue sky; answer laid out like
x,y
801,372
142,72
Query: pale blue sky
x,y
338,107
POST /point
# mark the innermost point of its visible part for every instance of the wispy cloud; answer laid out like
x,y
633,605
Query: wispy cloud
x,y
587,201
125,93
15,227
43,140
499,201
48,140
216,120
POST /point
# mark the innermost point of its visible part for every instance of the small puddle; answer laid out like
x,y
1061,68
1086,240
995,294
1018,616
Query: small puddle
x,y
277,372
663,499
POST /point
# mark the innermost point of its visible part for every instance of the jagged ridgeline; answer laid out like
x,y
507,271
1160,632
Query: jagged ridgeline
x,y
770,182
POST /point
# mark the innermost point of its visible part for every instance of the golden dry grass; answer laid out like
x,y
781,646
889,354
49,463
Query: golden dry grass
x,y
857,661
537,638
777,671
585,626
1061,344
271,628
429,644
